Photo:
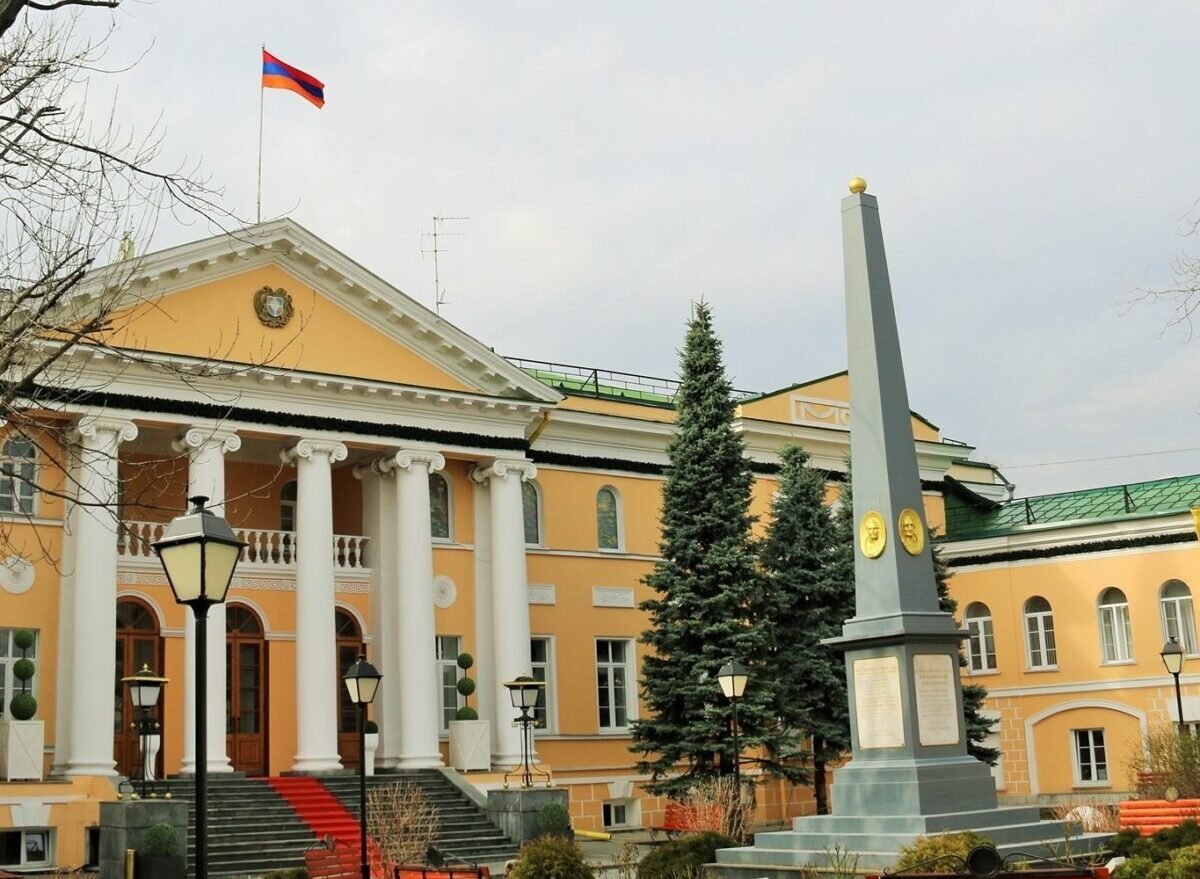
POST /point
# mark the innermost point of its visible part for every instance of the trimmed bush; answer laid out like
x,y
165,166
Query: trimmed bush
x,y
926,849
550,857
1134,868
23,640
682,858
466,713
23,669
372,727
553,817
465,686
160,841
22,707
465,661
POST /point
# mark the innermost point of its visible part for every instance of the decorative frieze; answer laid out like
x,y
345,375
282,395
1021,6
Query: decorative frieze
x,y
612,596
541,593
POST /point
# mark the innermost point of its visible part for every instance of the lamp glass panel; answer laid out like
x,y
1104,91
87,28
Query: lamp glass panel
x,y
181,561
220,560
1173,660
367,688
352,688
733,685
528,695
145,693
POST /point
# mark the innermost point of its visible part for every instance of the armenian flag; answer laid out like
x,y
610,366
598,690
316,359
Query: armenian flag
x,y
278,75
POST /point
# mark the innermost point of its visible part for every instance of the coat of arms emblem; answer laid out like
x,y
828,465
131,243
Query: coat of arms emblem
x,y
273,307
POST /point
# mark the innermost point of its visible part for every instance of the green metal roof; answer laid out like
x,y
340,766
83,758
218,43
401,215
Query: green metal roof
x,y
966,518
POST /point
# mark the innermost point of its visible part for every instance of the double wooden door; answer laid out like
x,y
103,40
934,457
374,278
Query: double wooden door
x,y
139,643
348,637
245,693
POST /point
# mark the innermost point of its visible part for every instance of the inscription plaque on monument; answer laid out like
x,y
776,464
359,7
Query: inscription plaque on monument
x,y
937,703
877,702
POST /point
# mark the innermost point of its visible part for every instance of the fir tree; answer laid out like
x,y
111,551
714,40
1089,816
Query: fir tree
x,y
709,605
811,588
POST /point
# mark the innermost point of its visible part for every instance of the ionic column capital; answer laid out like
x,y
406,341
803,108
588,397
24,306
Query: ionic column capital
x,y
200,436
409,459
502,468
310,448
90,426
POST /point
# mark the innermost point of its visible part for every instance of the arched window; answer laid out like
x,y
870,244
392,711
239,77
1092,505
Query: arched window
x,y
1115,637
18,475
531,504
981,643
1178,620
1039,633
287,507
439,506
348,638
608,518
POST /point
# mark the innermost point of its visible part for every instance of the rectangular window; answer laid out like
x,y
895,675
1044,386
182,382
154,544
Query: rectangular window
x,y
448,673
1091,759
981,644
613,677
615,814
1179,623
26,848
1114,626
1042,650
539,657
9,654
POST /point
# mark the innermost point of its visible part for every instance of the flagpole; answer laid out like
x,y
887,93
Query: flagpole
x,y
261,92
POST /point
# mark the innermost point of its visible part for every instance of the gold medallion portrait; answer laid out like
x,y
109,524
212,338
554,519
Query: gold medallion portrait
x,y
872,535
912,532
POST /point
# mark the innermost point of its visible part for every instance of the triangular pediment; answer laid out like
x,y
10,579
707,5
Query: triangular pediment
x,y
199,301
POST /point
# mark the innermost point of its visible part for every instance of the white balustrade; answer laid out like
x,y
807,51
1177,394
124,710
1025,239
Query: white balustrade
x,y
263,545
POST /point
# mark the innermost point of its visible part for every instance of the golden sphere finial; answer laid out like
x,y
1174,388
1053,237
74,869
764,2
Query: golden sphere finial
x,y
857,185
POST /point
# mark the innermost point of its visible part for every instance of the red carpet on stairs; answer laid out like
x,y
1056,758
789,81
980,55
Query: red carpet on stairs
x,y
323,813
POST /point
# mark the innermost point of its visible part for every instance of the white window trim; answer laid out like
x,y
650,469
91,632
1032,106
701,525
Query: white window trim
x,y
444,732
1163,601
36,498
631,701
1040,616
971,623
620,508
1126,643
633,813
1079,782
541,515
449,538
26,866
551,727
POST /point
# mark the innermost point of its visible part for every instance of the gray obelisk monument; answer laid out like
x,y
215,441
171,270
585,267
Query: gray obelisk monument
x,y
909,772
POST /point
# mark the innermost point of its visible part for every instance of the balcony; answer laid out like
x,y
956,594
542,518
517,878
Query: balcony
x,y
265,548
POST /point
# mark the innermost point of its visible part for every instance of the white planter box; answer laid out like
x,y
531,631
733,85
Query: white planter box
x,y
21,745
470,745
370,746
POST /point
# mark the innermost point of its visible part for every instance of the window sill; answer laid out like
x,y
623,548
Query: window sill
x,y
1038,669
616,732
984,673
1091,785
610,550
1119,662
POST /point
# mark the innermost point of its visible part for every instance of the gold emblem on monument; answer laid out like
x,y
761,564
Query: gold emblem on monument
x,y
273,307
872,535
912,532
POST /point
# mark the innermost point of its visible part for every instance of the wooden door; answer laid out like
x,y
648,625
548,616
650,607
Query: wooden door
x,y
138,643
348,637
245,693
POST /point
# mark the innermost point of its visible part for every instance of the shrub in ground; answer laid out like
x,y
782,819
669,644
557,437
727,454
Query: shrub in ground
x,y
683,858
1183,863
292,873
937,854
550,857
1121,844
160,841
1160,845
1137,867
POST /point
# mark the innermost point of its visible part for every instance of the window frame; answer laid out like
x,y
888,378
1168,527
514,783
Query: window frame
x,y
9,658
630,805
982,627
1121,619
551,688
619,512
449,538
1096,768
1044,620
32,480
26,864
1190,645
630,685
288,504
541,522
441,663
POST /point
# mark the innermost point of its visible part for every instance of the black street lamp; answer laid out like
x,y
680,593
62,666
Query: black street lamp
x,y
362,680
524,692
1172,657
144,690
199,551
733,678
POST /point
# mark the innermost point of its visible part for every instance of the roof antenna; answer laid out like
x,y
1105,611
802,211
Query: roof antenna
x,y
439,294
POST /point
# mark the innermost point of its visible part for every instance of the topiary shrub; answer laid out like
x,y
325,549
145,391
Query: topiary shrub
x,y
466,713
937,854
550,857
465,687
23,670
682,858
22,707
160,841
371,728
465,661
23,640
553,818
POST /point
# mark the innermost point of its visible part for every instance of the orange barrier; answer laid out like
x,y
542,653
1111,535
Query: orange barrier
x,y
1150,816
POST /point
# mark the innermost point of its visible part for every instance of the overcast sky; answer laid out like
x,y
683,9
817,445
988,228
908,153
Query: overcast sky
x,y
1034,164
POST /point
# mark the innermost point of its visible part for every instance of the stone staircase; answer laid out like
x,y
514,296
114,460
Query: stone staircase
x,y
252,829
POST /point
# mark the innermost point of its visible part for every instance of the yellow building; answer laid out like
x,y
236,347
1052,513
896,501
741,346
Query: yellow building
x,y
406,491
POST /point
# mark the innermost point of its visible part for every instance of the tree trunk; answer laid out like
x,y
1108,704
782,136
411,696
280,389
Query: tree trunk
x,y
819,779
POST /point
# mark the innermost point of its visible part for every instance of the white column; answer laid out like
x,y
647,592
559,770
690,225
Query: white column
x,y
94,624
206,447
510,594
485,650
379,524
415,657
66,622
316,654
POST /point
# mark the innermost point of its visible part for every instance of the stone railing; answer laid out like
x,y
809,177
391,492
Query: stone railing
x,y
264,546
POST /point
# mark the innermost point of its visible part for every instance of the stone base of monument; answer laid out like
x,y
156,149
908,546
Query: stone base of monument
x,y
877,840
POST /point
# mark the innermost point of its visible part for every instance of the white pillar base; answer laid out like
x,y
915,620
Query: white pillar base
x,y
416,762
